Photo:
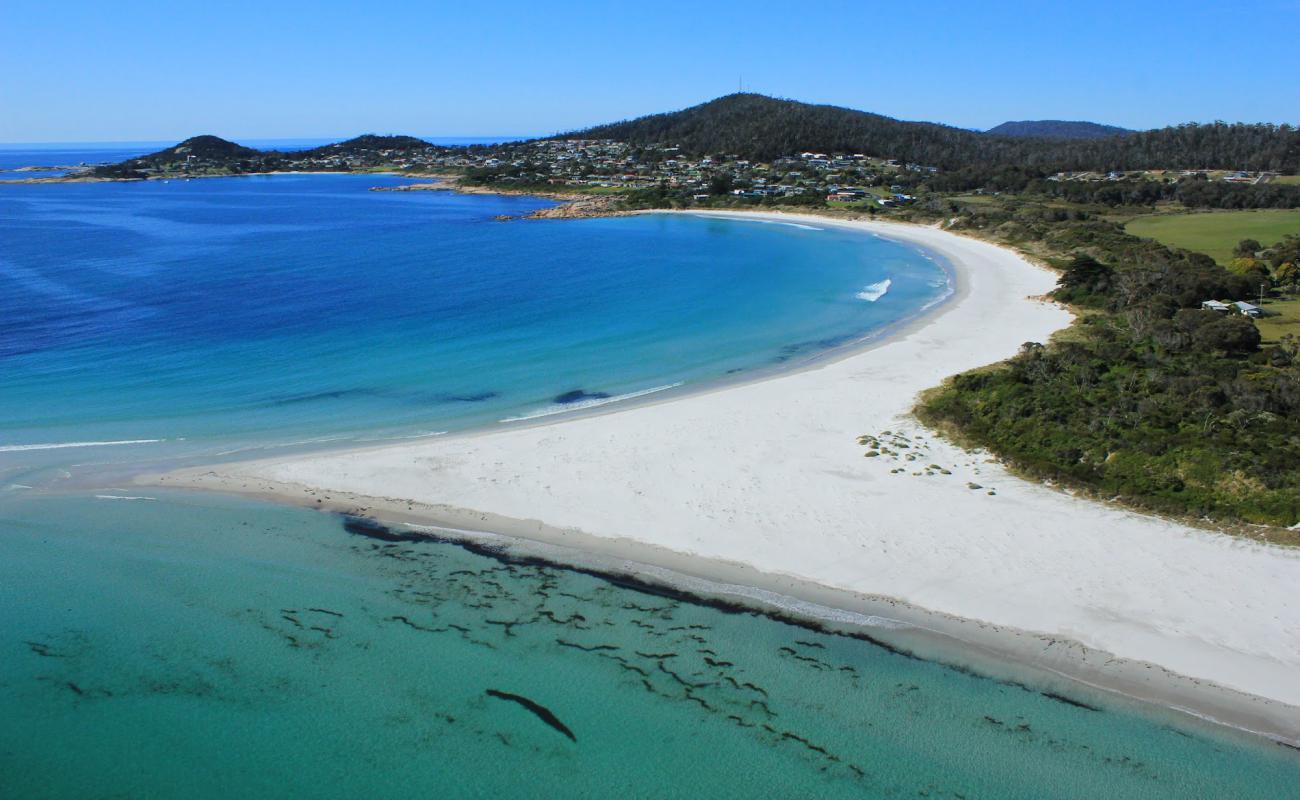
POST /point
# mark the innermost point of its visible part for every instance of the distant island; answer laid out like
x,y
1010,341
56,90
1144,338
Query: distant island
x,y
1057,129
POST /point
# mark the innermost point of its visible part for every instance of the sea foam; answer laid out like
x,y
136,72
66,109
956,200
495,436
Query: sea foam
x,y
875,291
801,226
12,448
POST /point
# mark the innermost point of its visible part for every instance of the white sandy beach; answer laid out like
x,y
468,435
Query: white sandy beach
x,y
770,474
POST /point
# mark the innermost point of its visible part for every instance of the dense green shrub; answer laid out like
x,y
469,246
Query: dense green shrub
x,y
1150,400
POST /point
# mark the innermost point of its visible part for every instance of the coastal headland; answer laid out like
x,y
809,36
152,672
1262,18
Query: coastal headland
x,y
819,486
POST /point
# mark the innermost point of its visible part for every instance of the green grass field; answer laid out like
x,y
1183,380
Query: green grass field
x,y
1216,233
1293,180
1272,328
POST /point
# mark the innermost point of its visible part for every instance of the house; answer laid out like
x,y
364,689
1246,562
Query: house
x,y
1249,310
1215,305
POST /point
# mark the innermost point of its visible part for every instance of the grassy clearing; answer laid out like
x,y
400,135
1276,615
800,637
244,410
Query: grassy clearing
x,y
1287,320
1216,233
1293,180
974,199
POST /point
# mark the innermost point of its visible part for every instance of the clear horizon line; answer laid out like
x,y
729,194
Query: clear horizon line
x,y
237,139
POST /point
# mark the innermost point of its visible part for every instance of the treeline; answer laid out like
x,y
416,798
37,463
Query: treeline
x,y
364,145
1057,129
1151,400
764,128
1194,191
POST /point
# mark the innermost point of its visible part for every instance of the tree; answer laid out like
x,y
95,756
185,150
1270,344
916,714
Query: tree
x,y
1244,265
720,184
1085,279
1247,248
1230,334
1288,275
1286,250
1254,271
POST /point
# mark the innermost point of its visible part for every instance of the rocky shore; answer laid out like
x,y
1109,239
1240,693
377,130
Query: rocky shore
x,y
572,206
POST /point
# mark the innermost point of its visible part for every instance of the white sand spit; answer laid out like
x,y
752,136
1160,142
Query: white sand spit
x,y
770,474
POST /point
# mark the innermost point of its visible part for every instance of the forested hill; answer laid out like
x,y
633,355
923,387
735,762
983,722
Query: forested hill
x,y
212,155
366,143
1057,129
205,147
762,128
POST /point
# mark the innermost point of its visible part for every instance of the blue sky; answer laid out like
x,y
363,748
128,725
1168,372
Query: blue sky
x,y
124,70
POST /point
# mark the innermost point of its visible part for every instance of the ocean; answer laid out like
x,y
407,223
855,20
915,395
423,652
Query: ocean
x,y
220,316
166,644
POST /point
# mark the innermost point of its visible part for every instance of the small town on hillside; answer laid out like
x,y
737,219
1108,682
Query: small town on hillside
x,y
602,165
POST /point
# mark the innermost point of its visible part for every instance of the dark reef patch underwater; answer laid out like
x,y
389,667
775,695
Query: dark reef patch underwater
x,y
579,395
253,650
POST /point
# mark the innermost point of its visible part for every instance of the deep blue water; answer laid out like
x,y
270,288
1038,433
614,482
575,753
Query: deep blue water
x,y
15,156
162,644
256,311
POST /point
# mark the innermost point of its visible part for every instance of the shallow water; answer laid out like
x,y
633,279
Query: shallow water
x,y
202,647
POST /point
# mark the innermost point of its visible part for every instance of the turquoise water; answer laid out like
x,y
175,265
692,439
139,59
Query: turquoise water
x,y
209,648
242,313
185,646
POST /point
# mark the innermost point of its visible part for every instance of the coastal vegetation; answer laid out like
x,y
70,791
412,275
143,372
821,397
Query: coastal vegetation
x,y
1149,399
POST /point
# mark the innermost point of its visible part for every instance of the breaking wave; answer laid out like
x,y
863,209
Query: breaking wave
x,y
799,225
13,448
875,291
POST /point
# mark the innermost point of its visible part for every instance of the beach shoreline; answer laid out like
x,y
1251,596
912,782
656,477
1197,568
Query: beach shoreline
x,y
730,472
